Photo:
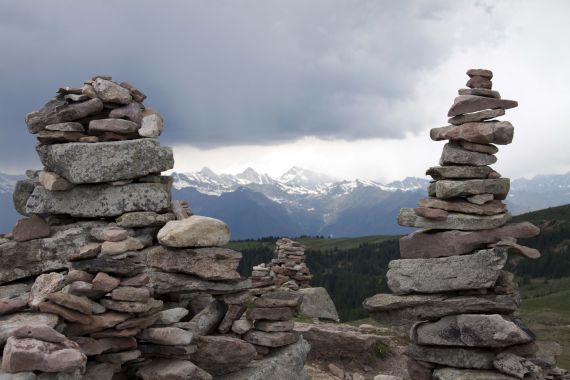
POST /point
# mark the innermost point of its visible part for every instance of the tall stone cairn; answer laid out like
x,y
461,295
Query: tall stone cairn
x,y
107,277
450,286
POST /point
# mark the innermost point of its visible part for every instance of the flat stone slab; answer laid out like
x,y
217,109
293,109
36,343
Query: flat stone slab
x,y
476,116
451,189
164,283
91,201
492,207
489,132
459,172
81,163
454,154
472,330
476,271
468,374
406,310
57,110
472,103
480,92
455,221
428,244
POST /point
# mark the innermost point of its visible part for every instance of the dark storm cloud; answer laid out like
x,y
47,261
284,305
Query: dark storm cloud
x,y
226,72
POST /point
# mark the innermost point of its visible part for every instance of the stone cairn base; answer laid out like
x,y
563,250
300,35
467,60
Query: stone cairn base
x,y
107,278
450,285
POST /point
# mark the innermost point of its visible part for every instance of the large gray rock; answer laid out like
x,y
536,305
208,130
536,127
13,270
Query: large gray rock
x,y
317,303
459,172
164,283
454,221
492,207
457,357
220,355
406,310
450,189
33,257
207,263
490,132
286,363
477,271
106,161
57,110
427,244
468,374
473,103
454,154
92,201
472,330
195,231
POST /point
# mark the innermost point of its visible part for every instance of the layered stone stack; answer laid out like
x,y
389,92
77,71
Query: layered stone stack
x,y
450,283
287,269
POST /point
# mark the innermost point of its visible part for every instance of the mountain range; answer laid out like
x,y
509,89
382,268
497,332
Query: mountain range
x,y
303,202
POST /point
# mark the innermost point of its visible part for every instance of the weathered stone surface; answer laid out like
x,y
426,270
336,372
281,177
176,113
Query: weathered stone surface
x,y
130,307
453,357
220,355
42,332
170,316
491,207
477,81
468,374
82,304
454,221
53,182
107,161
111,92
195,231
451,189
131,111
16,289
105,282
490,132
91,201
271,313
137,94
144,219
57,110
13,305
98,322
56,137
43,286
481,92
286,363
241,326
453,154
207,320
271,339
119,358
167,336
172,369
477,271
139,280
472,103
206,263
65,313
234,313
476,116
22,192
431,213
417,370
279,299
515,365
317,303
472,330
25,355
12,322
482,148
426,244
66,127
30,228
164,282
99,371
128,293
112,248
129,264
517,249
121,126
168,352
152,124
91,346
480,72
138,323
274,326
406,310
109,233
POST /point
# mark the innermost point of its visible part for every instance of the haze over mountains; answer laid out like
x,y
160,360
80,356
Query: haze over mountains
x,y
302,202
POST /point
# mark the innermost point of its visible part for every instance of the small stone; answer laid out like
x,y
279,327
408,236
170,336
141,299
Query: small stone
x,y
66,127
481,148
477,81
195,231
481,199
89,139
515,365
65,313
109,233
472,103
55,137
274,326
152,124
207,320
79,303
241,326
431,213
113,137
78,275
128,293
113,125
170,316
137,95
172,369
279,299
119,358
82,288
179,211
111,248
138,323
76,97
43,286
271,339
53,182
98,322
168,336
271,313
111,92
30,228
477,116
131,111
144,219
88,251
130,307
91,347
480,72
139,280
517,249
104,282
480,92
13,305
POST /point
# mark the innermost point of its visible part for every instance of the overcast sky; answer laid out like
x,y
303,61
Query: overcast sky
x,y
348,88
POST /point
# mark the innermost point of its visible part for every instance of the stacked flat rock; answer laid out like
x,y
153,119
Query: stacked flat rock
x,y
450,286
106,276
287,269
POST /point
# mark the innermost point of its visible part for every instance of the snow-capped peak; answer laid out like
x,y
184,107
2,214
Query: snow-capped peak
x,y
304,178
249,175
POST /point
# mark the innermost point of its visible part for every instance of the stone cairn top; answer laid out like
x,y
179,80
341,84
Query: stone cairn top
x,y
450,286
107,277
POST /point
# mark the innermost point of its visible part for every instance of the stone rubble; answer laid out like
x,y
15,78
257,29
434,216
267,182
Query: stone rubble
x,y
103,278
450,287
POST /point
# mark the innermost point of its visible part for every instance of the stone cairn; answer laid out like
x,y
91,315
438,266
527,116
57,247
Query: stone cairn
x,y
450,285
287,269
107,278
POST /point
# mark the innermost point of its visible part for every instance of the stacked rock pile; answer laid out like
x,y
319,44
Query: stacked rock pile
x,y
450,283
109,278
287,269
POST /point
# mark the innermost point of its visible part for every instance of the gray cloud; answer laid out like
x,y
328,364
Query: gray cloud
x,y
233,72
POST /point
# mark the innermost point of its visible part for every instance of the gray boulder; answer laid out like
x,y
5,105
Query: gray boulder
x,y
476,271
459,172
451,189
454,154
91,201
106,161
454,221
317,303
